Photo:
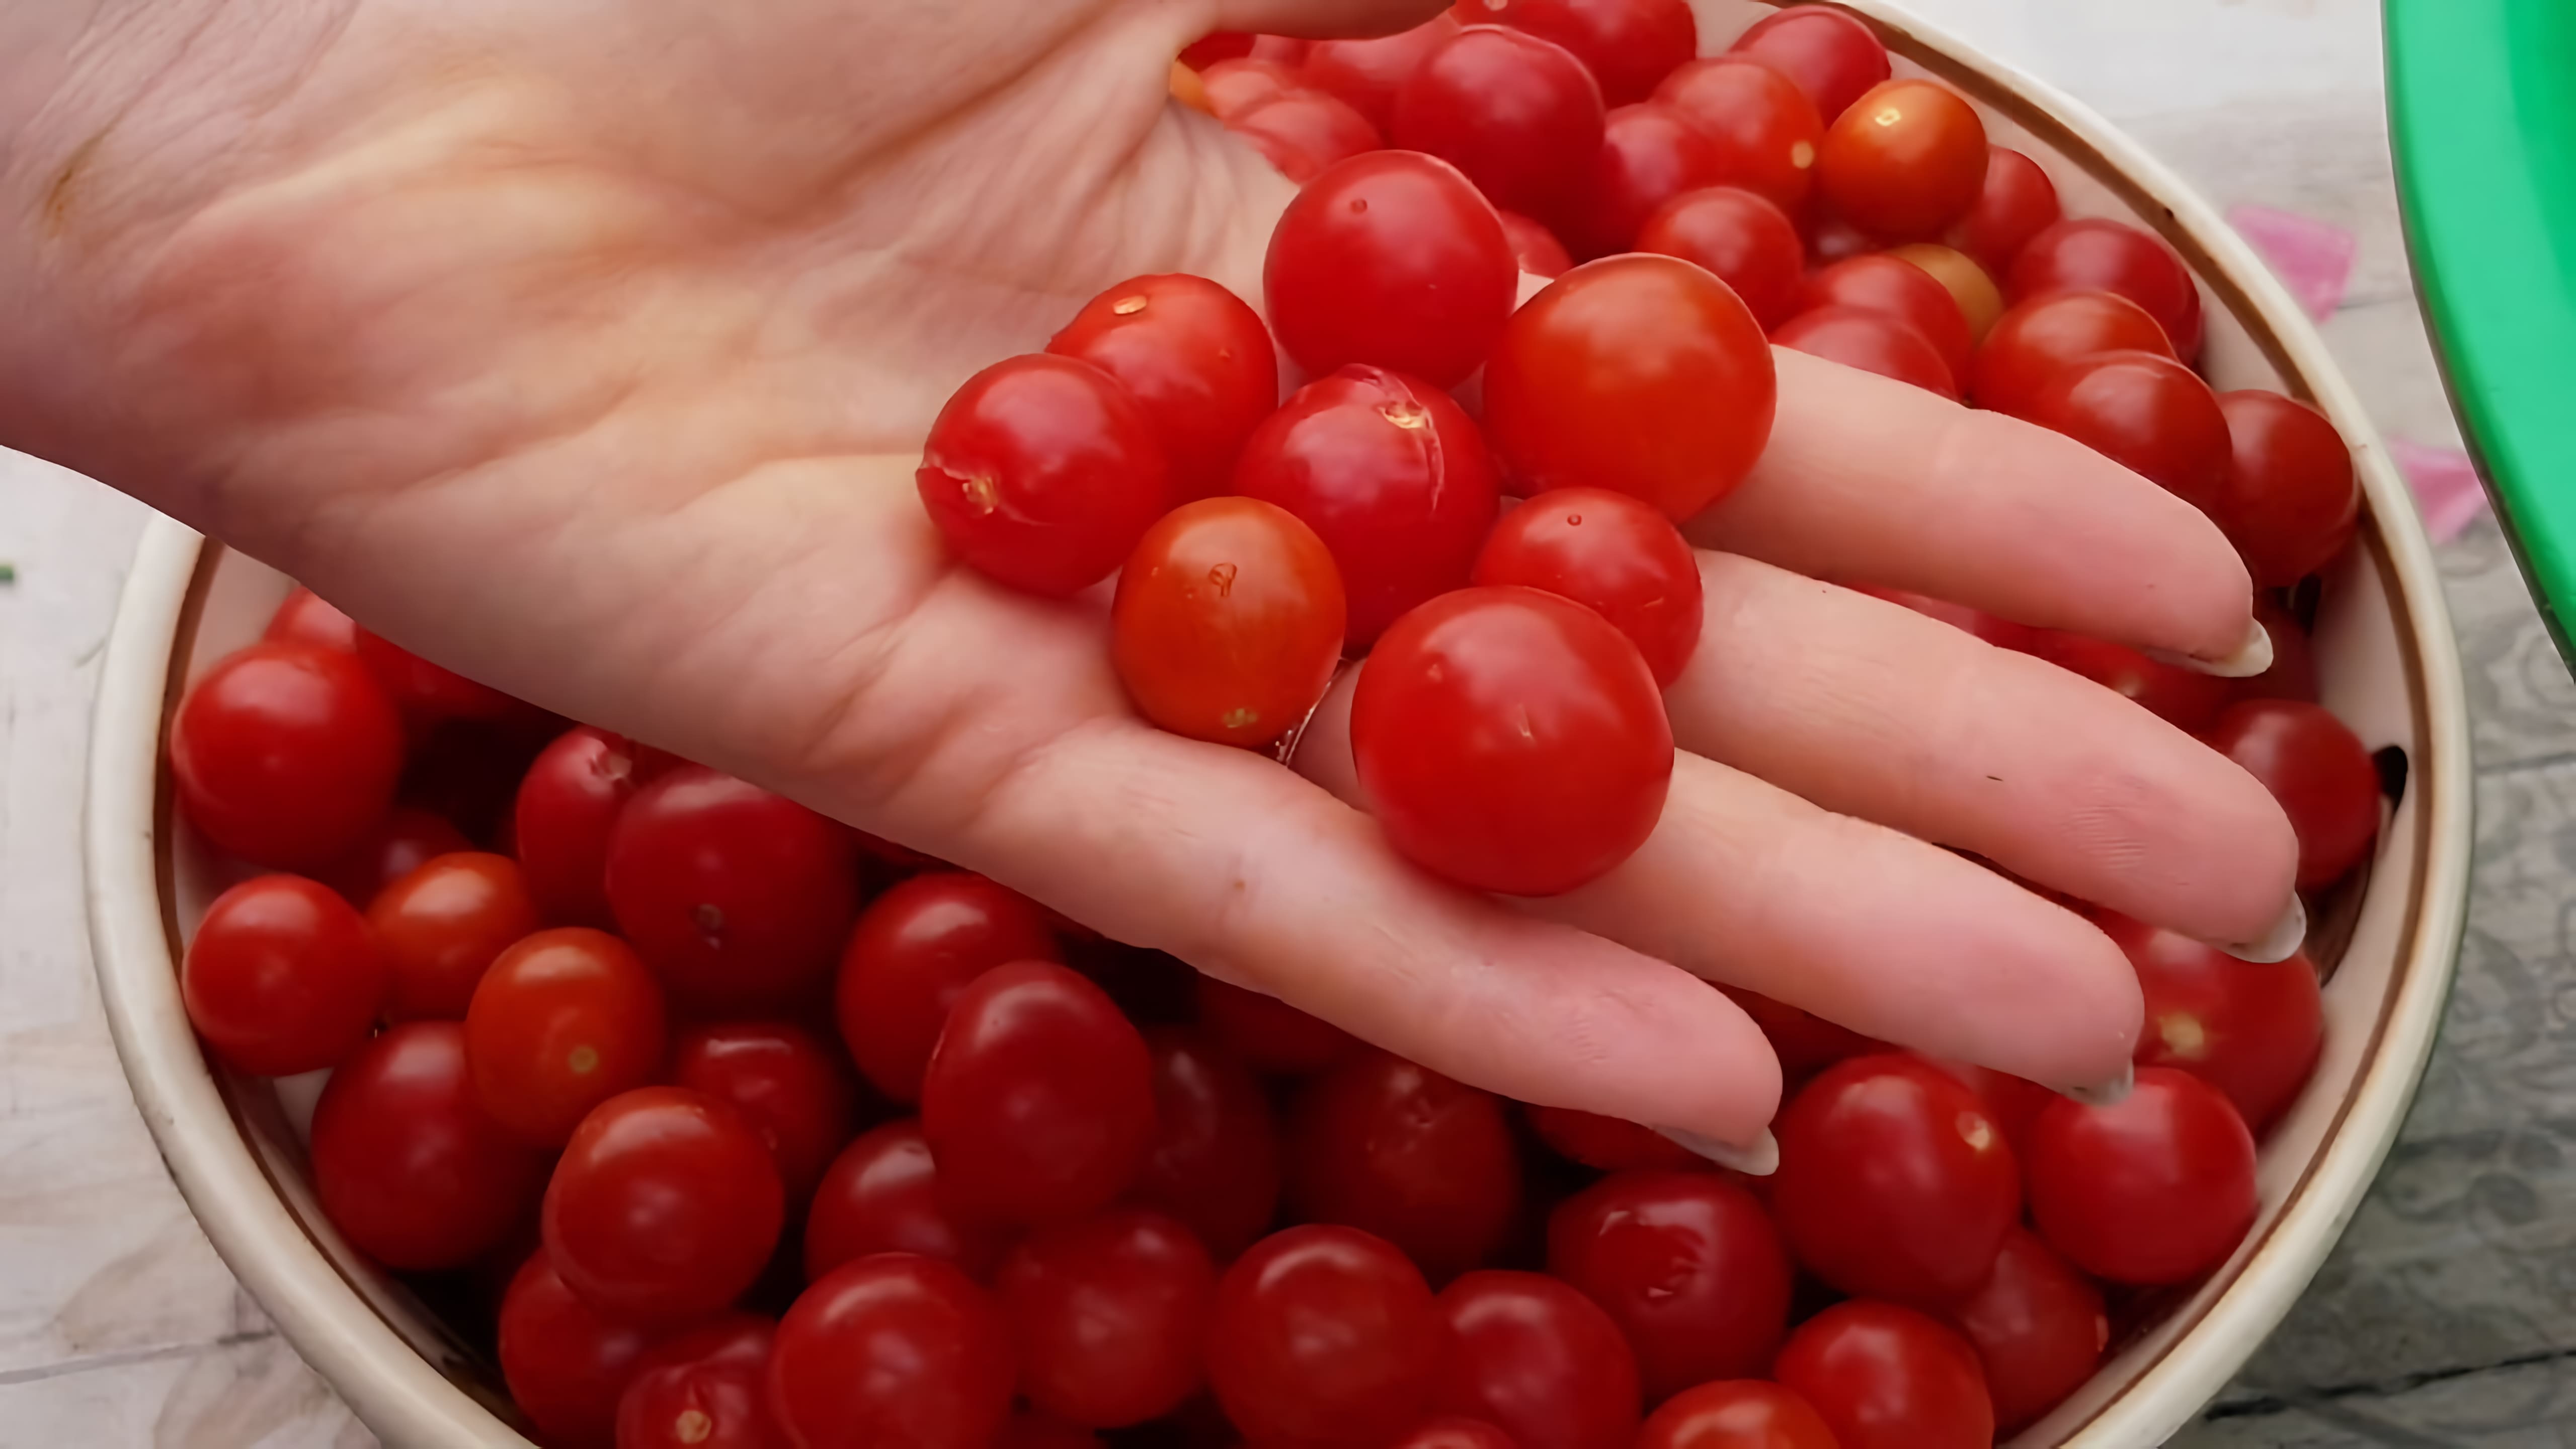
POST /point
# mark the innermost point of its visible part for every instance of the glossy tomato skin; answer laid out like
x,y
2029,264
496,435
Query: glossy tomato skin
x,y
1040,473
1194,357
1899,289
1763,132
1746,241
1649,155
564,1020
2038,1327
2251,1029
1109,1315
1894,1181
1511,740
881,1195
1449,1431
1628,45
2039,338
1268,1033
442,926
1905,161
2318,770
1402,1152
1324,1336
1216,1161
664,1207
1391,474
2016,202
2291,498
567,1365
1688,1265
1366,74
566,808
1039,1102
407,838
1519,115
1534,247
1885,1377
1609,1144
1228,621
410,1169
304,618
1391,259
282,977
788,1085
1640,374
286,754
1831,55
892,1349
1871,341
1305,132
1614,555
698,1406
2146,412
2184,698
2156,1189
914,949
737,898
1539,1361
1736,1414
2083,254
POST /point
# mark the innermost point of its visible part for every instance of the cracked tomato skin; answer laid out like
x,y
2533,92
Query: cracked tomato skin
x,y
1228,621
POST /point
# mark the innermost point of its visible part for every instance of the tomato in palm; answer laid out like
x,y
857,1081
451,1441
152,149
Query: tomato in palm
x,y
1194,357
2038,339
1762,131
2183,698
566,808
2251,1029
286,754
1831,55
564,1020
881,1195
1886,284
1039,1102
1736,1414
2156,1189
2291,499
1649,155
406,839
1894,1181
1612,554
914,949
1518,114
2146,412
1885,1377
705,1405
1640,374
1228,620
1366,74
1215,1162
1628,45
1268,1033
1746,241
1391,259
1324,1336
1610,1144
1534,247
1234,87
2318,770
1539,1361
305,619
892,1349
738,898
1108,1314
1409,1155
2038,1327
1391,474
425,691
665,1206
1905,161
1688,1265
1872,342
442,926
797,1098
409,1168
1511,740
1305,132
2091,254
567,1365
2016,202
282,977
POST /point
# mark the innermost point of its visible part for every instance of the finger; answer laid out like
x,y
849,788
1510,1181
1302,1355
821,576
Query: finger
x,y
1868,480
1325,19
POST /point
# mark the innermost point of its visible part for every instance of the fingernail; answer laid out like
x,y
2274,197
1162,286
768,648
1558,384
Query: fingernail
x,y
1758,1160
2251,657
2287,935
2106,1094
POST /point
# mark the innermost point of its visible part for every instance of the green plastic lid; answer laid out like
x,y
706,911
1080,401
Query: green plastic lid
x,y
2482,108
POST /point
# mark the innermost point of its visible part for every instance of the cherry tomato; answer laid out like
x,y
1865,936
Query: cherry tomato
x,y
1750,244
305,619
665,1206
1366,74
1305,132
1871,341
2157,1189
2293,674
2039,1330
564,1020
1039,1102
1215,48
1036,1431
892,1349
2090,254
1215,1163
1905,161
1451,1432
1518,114
1894,1182
567,1365
1641,374
1805,1043
1885,1377
1324,1336
1764,131
1628,45
2146,412
282,977
1229,618
1607,1143
2290,499
1400,1151
732,1337
736,897
401,843
2319,771
1888,284
1980,301
1194,357
1649,155
1268,1033
1615,556
1832,56
1511,741
2016,202
708,1405
915,948
286,754
787,1085
2038,339
410,1170
1534,247
1234,87
1688,1265
429,692
1109,1315
441,926
1391,259
881,1196
2183,698
566,808
1539,1361
1736,1414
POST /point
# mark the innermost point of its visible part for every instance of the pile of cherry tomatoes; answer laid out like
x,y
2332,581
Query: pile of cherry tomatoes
x,y
736,1127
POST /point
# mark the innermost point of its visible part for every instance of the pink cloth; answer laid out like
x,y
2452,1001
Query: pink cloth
x,y
2312,258
2447,491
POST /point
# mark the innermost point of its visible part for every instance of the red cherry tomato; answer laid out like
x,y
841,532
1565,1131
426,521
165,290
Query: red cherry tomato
x,y
2040,338
429,692
2157,1189
1451,1432
1366,74
1871,341
567,1365
1884,1377
305,619
707,1405
1979,300
286,754
1194,357
1894,1181
1686,1263
787,1085
665,1206
1039,1102
282,977
1215,1163
1750,244
1534,247
1607,1143
1109,1314
1736,1414
410,1170
1518,114
567,807
2146,412
2319,771
1832,56
1805,1043
734,1337
736,897
1324,1336
881,1196
915,948
2016,202
892,1349
1628,45
1234,87
1649,155
1399,1150
2293,674
1641,374
1228,620
401,843
1903,291
1905,161
1511,741
1763,131
564,1020
2183,698
1268,1033
1391,259
1612,554
2039,1330
1305,132
2090,254
2290,499
1213,49
442,926
1392,476
1539,1361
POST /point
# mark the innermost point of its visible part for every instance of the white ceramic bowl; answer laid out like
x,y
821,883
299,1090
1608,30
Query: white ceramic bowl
x,y
2384,650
